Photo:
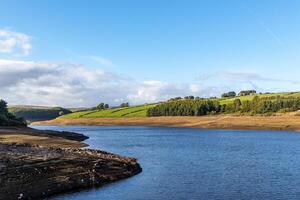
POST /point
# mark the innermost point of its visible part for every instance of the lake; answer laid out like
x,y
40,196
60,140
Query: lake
x,y
183,163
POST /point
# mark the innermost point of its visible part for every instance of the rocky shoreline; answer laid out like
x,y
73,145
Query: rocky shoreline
x,y
30,171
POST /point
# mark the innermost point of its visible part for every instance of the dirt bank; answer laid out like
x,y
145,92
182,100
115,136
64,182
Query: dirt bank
x,y
25,135
35,172
37,164
282,122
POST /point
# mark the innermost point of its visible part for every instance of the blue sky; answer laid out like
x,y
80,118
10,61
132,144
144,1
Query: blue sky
x,y
153,49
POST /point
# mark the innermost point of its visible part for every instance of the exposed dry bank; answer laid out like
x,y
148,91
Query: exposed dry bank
x,y
47,138
28,171
280,122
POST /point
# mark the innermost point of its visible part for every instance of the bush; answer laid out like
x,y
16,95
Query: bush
x,y
229,94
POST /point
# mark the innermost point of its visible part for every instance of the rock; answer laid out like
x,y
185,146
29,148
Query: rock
x,y
32,172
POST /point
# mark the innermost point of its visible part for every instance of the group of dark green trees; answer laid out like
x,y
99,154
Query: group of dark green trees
x,y
126,104
229,94
185,98
266,105
247,92
8,119
102,106
185,108
241,93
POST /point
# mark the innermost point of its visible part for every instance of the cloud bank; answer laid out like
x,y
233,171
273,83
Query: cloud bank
x,y
67,84
73,85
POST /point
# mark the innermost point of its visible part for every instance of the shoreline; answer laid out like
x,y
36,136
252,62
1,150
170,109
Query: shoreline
x,y
42,138
288,122
36,164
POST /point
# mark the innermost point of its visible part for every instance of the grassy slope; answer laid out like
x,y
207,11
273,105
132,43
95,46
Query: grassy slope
x,y
134,111
250,97
140,111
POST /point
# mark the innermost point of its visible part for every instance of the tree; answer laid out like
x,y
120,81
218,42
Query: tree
x,y
106,106
247,92
229,94
175,99
100,106
189,97
3,107
124,104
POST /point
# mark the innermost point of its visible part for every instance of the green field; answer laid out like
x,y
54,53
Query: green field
x,y
250,97
133,111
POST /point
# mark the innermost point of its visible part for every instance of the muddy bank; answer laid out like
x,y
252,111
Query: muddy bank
x,y
48,138
282,122
34,172
37,164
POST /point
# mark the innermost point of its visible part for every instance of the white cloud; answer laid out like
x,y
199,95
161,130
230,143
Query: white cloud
x,y
14,43
154,91
71,85
48,83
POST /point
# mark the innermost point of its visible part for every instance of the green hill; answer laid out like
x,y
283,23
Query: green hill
x,y
37,113
46,113
141,110
249,103
250,97
133,111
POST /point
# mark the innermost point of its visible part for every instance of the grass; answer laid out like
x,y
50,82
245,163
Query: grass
x,y
134,111
250,97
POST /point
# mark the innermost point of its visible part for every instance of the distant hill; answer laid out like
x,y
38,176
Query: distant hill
x,y
37,113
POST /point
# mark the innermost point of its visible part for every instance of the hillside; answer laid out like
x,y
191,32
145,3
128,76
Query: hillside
x,y
250,97
37,113
248,103
133,111
141,110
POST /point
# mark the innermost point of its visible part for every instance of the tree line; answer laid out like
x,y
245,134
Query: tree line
x,y
199,107
185,108
103,106
241,93
265,105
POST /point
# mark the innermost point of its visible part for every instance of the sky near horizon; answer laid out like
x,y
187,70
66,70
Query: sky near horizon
x,y
79,53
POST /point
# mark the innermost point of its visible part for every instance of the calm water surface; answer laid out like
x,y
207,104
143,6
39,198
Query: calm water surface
x,y
181,163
